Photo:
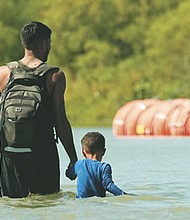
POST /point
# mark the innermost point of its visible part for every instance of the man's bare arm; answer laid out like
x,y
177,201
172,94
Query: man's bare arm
x,y
62,124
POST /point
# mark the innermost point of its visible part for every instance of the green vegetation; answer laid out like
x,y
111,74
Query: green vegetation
x,y
111,51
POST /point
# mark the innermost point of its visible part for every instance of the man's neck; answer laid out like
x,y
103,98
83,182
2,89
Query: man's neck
x,y
30,60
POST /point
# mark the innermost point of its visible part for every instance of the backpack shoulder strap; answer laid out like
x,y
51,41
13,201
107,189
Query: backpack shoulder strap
x,y
19,71
44,68
13,64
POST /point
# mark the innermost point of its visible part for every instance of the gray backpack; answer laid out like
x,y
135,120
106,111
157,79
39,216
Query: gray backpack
x,y
20,106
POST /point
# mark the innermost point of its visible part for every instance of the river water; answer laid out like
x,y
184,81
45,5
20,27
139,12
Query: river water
x,y
157,169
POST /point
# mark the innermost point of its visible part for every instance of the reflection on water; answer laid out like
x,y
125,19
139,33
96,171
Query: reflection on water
x,y
156,169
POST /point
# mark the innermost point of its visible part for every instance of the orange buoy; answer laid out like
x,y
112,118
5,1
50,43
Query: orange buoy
x,y
144,122
153,117
187,125
130,123
121,114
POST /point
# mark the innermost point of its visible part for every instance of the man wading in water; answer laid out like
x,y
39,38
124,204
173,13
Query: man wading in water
x,y
35,168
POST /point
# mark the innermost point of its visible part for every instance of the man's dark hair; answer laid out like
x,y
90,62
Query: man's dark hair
x,y
34,32
93,142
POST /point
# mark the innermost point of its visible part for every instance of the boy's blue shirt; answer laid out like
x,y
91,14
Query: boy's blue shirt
x,y
94,178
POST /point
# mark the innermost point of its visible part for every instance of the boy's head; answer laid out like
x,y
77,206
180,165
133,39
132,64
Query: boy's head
x,y
93,143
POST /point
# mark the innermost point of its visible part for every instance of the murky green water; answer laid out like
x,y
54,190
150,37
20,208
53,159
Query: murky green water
x,y
157,169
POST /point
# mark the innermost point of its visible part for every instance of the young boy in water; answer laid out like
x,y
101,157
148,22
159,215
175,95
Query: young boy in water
x,y
94,178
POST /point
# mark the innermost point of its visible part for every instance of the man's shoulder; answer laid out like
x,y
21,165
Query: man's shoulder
x,y
4,76
49,67
12,64
4,69
4,73
56,73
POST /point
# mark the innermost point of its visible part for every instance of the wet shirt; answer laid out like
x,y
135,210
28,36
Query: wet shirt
x,y
93,178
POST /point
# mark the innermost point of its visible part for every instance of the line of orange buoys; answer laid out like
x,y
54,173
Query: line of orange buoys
x,y
153,117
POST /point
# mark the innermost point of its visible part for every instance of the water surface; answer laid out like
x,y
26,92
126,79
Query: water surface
x,y
155,168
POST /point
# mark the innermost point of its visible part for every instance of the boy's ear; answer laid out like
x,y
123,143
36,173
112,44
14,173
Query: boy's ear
x,y
84,153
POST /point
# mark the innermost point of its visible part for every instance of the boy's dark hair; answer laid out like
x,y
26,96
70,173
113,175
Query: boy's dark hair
x,y
93,142
34,32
